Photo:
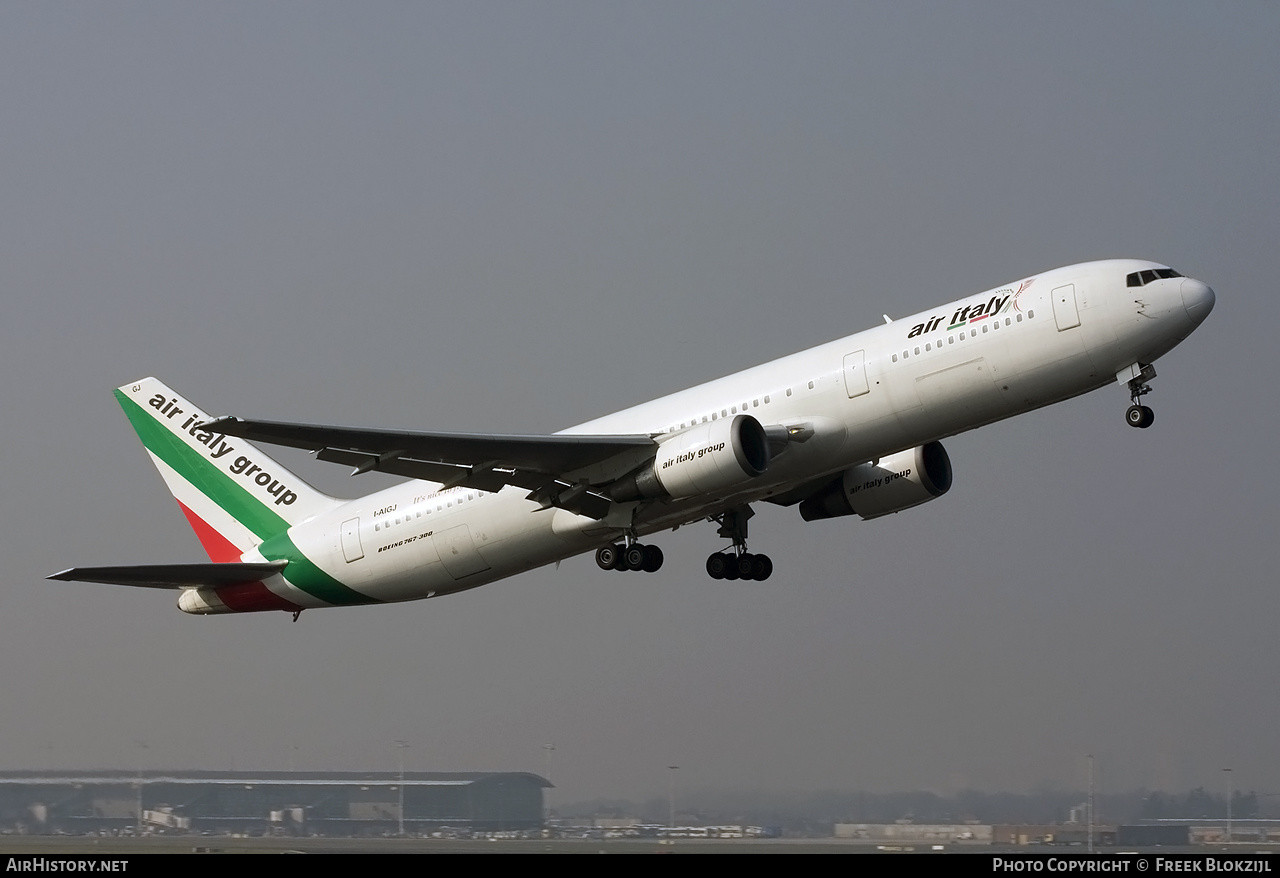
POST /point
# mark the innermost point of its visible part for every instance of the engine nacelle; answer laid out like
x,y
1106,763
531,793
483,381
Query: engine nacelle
x,y
701,460
890,484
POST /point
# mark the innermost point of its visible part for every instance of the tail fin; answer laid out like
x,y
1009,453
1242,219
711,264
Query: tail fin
x,y
233,494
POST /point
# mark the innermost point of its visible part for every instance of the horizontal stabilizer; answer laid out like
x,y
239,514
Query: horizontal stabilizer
x,y
173,575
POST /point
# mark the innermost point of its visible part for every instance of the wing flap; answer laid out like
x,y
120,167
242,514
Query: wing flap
x,y
450,475
173,576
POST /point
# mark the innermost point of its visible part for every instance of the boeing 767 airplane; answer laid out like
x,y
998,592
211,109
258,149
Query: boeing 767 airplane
x,y
851,427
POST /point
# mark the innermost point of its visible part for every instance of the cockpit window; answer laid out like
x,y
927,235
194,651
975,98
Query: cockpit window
x,y
1142,278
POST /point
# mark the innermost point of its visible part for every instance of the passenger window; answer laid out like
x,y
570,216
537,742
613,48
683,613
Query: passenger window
x,y
984,327
928,346
811,385
895,358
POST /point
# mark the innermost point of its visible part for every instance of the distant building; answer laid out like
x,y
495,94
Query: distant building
x,y
915,832
1153,834
1052,833
283,803
1197,830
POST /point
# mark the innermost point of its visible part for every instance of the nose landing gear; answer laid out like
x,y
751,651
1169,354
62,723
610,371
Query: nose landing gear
x,y
1136,377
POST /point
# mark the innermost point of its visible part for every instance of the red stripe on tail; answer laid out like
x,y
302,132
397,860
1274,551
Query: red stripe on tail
x,y
220,549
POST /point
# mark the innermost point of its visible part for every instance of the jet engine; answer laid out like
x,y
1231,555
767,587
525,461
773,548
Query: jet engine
x,y
890,484
703,459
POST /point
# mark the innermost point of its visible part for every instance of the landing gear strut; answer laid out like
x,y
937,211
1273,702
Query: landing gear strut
x,y
1136,377
737,563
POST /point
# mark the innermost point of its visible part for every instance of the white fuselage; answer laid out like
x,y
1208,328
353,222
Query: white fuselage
x,y
865,396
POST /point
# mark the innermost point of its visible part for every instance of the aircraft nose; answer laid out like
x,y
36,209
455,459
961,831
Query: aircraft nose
x,y
1198,299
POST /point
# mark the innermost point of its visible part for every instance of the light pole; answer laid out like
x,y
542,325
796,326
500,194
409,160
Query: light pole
x,y
142,747
547,750
1089,806
671,796
1229,793
400,747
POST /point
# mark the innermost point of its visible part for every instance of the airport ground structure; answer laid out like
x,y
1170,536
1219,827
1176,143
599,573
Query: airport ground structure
x,y
347,804
1171,832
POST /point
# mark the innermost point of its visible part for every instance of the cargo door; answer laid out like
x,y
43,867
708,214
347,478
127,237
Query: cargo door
x,y
458,552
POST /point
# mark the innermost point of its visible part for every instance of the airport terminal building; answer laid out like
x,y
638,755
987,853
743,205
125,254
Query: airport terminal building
x,y
279,803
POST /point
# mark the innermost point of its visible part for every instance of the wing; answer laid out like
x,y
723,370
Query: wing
x,y
559,470
173,575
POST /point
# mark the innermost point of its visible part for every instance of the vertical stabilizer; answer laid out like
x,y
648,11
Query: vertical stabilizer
x,y
232,493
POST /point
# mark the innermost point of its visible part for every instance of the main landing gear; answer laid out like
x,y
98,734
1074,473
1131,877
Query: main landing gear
x,y
727,565
1139,415
632,556
737,563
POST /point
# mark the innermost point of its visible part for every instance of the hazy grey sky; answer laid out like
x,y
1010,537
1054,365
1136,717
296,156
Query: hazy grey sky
x,y
519,216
